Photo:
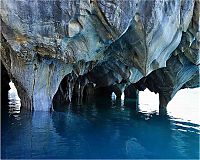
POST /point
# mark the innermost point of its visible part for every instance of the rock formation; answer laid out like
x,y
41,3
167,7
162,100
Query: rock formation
x,y
57,51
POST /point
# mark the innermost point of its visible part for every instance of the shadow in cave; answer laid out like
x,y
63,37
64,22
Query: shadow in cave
x,y
77,91
10,101
5,87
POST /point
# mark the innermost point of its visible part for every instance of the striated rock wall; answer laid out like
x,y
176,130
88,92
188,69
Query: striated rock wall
x,y
57,51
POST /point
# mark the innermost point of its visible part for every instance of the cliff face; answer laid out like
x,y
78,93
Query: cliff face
x,y
53,50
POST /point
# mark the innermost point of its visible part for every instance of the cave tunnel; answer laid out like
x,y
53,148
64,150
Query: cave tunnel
x,y
77,91
9,95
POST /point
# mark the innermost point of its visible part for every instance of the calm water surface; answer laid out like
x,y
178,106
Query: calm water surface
x,y
104,129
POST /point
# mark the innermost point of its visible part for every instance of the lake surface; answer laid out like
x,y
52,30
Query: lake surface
x,y
105,129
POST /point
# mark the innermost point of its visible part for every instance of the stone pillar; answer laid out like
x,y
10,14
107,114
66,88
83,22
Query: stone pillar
x,y
163,101
36,78
131,96
80,84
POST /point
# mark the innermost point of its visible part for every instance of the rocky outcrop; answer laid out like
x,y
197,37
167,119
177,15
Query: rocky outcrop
x,y
57,51
182,70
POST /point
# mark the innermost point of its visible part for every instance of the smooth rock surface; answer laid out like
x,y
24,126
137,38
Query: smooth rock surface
x,y
53,49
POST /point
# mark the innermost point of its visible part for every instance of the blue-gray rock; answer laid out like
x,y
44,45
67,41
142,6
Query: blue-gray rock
x,y
53,49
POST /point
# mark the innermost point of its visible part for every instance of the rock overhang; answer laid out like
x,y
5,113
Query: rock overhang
x,y
107,43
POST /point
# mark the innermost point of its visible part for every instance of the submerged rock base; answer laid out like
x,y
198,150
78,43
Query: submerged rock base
x,y
59,51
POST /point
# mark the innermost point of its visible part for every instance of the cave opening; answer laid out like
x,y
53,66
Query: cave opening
x,y
61,99
14,103
78,91
10,100
148,101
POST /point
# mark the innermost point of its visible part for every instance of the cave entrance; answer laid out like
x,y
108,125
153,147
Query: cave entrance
x,y
10,100
75,91
14,103
149,101
78,91
61,98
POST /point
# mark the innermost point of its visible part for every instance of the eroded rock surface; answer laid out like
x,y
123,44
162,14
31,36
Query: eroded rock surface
x,y
55,51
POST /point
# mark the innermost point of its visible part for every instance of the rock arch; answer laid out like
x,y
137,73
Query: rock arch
x,y
147,42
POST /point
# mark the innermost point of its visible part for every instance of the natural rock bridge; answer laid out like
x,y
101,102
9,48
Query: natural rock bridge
x,y
59,50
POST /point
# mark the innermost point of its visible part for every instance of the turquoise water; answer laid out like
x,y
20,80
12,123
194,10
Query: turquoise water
x,y
104,129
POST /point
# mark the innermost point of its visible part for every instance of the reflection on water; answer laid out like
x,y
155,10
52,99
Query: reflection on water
x,y
185,105
14,100
104,129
